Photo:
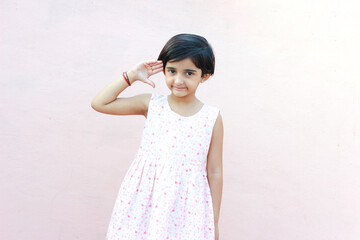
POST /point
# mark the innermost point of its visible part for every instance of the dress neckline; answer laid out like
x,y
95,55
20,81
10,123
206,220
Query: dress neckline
x,y
177,114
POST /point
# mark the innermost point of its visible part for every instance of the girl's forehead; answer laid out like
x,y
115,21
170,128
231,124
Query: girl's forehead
x,y
185,63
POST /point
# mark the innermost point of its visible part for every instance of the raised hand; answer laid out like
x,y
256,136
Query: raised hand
x,y
143,70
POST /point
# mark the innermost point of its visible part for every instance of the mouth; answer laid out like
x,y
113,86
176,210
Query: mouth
x,y
178,88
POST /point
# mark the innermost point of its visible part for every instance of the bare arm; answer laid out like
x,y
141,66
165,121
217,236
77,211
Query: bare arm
x,y
106,101
215,169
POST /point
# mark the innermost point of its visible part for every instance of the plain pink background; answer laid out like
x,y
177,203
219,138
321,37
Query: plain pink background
x,y
286,81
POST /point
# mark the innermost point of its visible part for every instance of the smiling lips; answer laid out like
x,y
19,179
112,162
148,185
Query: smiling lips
x,y
179,88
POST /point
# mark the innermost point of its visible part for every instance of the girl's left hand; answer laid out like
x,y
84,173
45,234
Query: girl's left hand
x,y
216,231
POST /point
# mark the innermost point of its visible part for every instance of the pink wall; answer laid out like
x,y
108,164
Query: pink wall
x,y
286,81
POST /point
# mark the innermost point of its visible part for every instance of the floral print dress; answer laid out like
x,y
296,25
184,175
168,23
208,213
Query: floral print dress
x,y
165,193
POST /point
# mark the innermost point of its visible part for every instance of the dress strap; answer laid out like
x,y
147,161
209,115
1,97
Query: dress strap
x,y
212,115
155,104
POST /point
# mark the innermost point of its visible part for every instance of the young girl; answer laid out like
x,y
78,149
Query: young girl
x,y
173,187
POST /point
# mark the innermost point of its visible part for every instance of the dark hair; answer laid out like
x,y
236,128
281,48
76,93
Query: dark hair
x,y
191,46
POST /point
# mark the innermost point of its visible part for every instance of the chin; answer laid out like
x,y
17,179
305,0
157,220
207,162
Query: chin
x,y
178,94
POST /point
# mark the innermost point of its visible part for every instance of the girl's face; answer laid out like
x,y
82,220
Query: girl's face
x,y
183,78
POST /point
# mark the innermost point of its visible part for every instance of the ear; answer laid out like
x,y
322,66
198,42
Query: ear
x,y
205,77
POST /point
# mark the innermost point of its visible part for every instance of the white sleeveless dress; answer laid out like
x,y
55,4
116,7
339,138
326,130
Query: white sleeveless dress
x,y
165,193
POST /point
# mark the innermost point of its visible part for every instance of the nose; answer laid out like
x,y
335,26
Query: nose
x,y
178,80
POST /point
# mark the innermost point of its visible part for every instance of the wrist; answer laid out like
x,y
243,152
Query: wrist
x,y
132,76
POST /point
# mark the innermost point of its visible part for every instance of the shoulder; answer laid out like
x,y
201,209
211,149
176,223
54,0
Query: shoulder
x,y
217,133
219,123
216,147
218,126
156,96
153,100
213,113
215,116
147,98
211,107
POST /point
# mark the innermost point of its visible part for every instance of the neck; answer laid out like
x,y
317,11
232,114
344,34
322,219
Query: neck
x,y
184,100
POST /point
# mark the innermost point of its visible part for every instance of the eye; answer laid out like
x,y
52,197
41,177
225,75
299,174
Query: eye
x,y
190,73
171,71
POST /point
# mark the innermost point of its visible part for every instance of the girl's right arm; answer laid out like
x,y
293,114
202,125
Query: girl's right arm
x,y
106,101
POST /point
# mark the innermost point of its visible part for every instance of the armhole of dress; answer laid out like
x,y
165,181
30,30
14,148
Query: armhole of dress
x,y
216,115
150,107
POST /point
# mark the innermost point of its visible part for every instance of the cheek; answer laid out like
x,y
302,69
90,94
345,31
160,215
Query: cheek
x,y
167,75
168,81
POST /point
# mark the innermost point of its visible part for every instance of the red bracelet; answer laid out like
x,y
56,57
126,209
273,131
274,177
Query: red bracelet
x,y
126,78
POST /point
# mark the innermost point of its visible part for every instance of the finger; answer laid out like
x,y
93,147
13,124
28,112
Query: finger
x,y
152,69
151,83
157,71
151,62
157,67
160,63
156,63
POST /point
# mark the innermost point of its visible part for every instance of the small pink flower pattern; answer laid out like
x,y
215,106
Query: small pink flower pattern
x,y
165,193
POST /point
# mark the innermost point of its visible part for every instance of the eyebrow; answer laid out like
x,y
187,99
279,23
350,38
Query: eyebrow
x,y
186,70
